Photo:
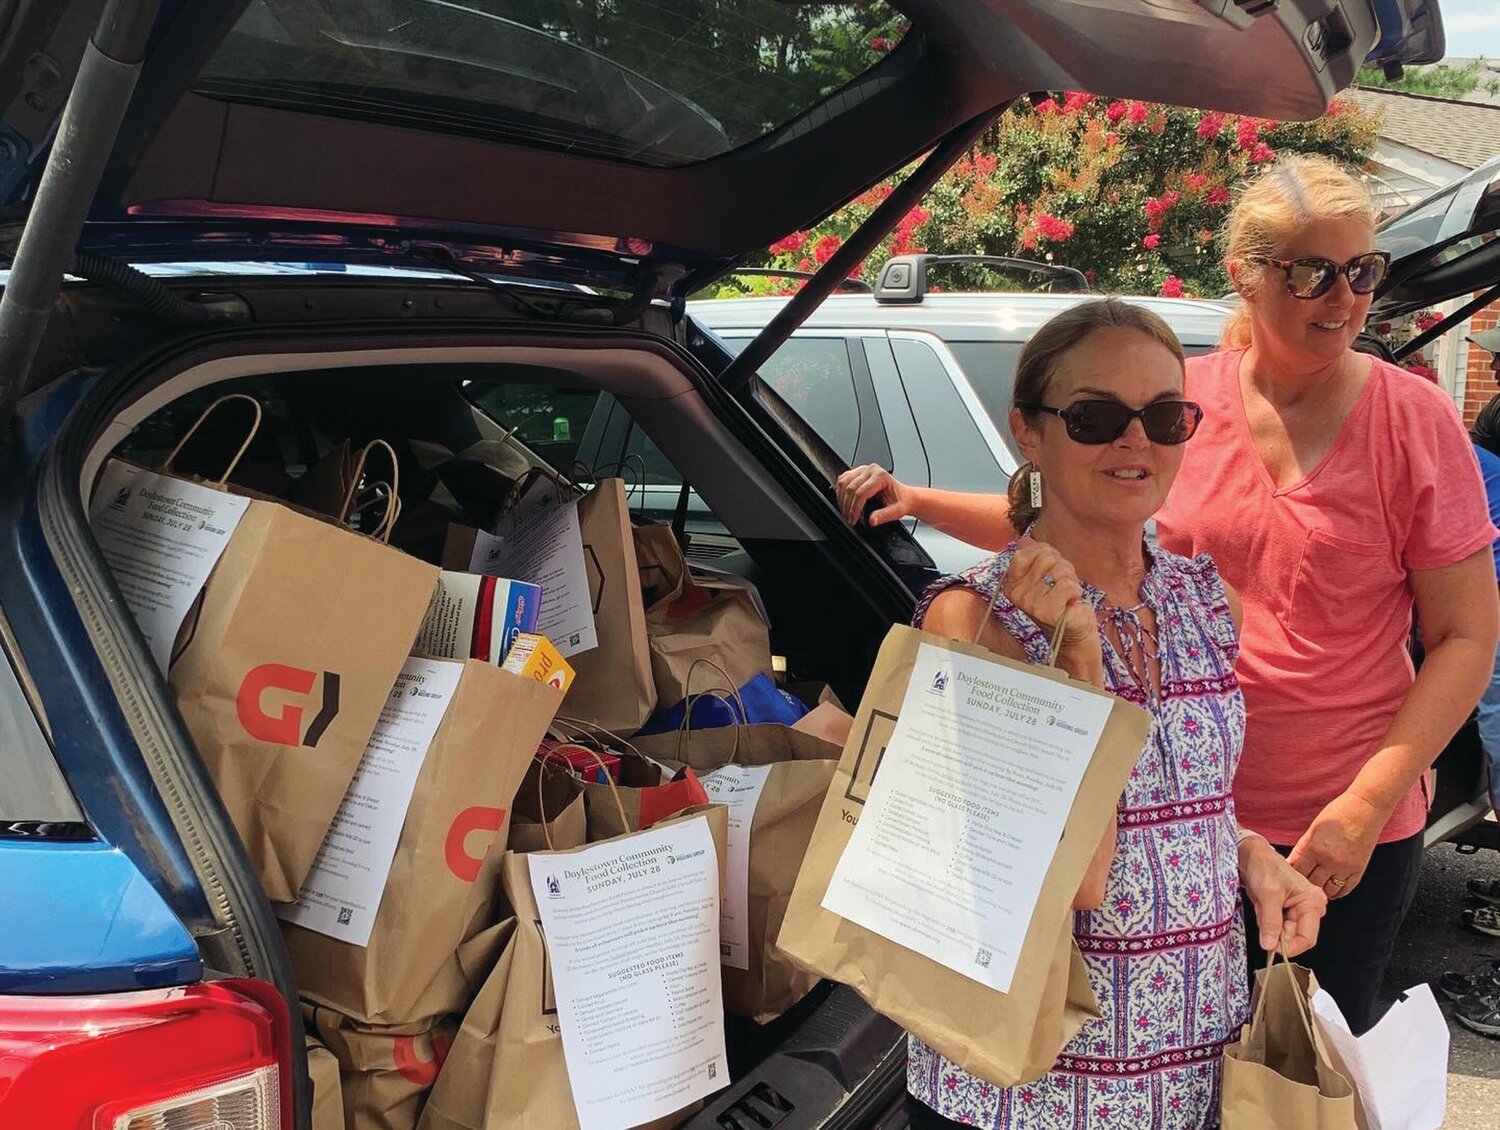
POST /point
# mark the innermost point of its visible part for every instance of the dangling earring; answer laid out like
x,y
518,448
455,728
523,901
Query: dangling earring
x,y
1034,482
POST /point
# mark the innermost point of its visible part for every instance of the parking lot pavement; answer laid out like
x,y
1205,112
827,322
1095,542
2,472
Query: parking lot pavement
x,y
1434,940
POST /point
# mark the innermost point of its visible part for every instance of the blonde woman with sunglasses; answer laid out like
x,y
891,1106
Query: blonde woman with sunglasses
x,y
1337,494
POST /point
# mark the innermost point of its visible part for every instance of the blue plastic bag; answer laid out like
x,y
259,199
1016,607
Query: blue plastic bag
x,y
763,700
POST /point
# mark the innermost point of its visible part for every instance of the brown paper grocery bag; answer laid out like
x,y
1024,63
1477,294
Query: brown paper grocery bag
x,y
641,797
327,1096
692,617
283,670
346,486
1004,1038
549,810
614,687
323,485
384,1073
660,564
1279,1074
801,769
828,721
708,749
507,1070
444,879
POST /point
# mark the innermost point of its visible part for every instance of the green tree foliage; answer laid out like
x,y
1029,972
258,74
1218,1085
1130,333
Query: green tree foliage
x,y
751,64
1131,193
1441,81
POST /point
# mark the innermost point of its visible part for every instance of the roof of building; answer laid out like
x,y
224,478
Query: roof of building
x,y
1465,133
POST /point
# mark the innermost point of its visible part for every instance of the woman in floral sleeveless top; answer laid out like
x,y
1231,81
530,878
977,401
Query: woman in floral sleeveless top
x,y
1099,413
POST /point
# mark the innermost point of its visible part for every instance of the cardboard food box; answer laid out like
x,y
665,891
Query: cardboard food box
x,y
476,617
534,657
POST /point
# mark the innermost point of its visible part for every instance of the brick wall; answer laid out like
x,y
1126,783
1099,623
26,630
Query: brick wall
x,y
1479,382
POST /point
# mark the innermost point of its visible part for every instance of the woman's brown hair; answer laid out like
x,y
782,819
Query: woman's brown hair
x,y
1058,337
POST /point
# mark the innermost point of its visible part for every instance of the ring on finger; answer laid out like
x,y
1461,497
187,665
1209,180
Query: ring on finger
x,y
1338,883
1049,580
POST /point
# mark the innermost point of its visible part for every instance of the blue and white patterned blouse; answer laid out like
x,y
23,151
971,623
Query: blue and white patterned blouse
x,y
1165,950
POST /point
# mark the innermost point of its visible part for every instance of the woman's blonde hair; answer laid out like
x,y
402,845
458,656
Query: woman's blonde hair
x,y
1038,363
1274,207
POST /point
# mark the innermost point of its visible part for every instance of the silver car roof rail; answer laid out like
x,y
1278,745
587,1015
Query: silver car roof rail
x,y
903,280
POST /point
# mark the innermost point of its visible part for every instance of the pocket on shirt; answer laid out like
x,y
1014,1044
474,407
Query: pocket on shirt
x,y
1338,583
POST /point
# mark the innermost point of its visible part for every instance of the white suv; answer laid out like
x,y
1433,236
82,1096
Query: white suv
x,y
920,382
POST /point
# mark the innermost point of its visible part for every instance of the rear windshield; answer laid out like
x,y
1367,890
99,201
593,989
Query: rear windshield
x,y
655,82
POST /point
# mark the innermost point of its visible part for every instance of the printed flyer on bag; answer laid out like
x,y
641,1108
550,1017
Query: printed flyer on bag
x,y
342,892
161,537
632,929
543,544
738,788
966,813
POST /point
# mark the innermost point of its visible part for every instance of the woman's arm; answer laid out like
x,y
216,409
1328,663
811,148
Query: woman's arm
x,y
982,520
1091,891
1460,619
1288,908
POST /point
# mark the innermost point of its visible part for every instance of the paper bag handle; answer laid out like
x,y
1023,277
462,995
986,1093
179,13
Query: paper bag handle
x,y
617,470
374,493
357,473
614,791
198,423
595,733
728,689
561,485
542,796
558,733
1302,1007
728,694
685,731
1053,647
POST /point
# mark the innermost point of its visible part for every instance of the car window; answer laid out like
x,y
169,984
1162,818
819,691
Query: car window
x,y
635,80
908,459
281,447
991,369
550,421
958,458
35,790
814,376
655,491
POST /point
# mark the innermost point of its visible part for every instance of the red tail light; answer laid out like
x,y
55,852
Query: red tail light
x,y
215,1055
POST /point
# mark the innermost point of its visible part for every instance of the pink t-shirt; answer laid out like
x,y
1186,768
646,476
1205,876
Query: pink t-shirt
x,y
1323,567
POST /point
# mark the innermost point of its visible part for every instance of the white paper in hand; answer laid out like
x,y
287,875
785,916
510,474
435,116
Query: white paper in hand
x,y
1399,1068
966,813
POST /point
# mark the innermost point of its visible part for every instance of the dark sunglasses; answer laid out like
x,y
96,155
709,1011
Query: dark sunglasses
x,y
1103,421
1314,277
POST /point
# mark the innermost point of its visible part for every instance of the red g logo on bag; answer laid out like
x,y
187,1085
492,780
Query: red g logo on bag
x,y
478,818
413,1067
285,726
